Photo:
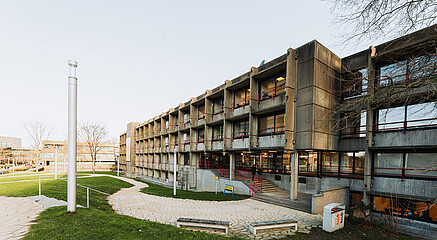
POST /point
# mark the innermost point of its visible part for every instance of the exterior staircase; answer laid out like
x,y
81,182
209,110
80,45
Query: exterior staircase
x,y
275,195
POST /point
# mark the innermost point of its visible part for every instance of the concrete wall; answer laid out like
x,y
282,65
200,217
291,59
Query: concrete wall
x,y
409,187
284,183
326,197
423,230
315,185
14,142
206,182
271,141
240,143
423,137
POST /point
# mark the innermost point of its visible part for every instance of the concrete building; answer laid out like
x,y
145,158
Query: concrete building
x,y
106,157
10,142
320,127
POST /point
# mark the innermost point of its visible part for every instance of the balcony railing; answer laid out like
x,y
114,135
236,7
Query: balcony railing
x,y
271,94
271,131
240,135
217,138
218,111
201,116
240,103
405,125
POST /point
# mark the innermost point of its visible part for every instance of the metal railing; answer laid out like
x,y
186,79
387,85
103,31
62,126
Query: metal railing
x,y
271,131
271,94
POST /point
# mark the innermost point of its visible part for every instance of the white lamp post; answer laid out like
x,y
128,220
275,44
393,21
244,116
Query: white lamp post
x,y
72,137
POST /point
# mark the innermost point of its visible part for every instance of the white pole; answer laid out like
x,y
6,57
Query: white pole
x,y
175,168
56,162
87,198
118,167
72,137
13,164
39,186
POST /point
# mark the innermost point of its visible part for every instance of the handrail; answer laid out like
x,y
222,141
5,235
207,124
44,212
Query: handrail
x,y
244,102
260,133
276,91
244,134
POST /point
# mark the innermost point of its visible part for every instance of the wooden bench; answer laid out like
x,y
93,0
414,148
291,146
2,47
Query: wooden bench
x,y
203,223
253,226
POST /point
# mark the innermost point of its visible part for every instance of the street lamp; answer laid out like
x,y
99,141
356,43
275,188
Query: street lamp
x,y
72,137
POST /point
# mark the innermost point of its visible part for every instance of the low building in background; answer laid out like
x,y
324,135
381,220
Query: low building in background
x,y
106,156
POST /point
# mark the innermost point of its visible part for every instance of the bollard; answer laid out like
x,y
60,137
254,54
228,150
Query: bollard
x,y
87,197
39,186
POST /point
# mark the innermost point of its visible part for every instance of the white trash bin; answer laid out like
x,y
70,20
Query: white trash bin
x,y
333,217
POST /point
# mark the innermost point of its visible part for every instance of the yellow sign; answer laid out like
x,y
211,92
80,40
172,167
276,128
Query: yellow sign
x,y
216,177
229,188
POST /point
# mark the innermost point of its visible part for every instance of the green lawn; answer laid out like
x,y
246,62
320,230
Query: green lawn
x,y
58,189
354,228
158,190
100,172
56,223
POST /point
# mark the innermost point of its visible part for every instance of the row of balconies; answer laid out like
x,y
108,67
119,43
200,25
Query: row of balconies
x,y
269,100
266,140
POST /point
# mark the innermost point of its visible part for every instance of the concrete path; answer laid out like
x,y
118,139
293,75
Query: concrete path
x,y
133,203
16,215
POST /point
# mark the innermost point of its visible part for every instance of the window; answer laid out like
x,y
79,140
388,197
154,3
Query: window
x,y
186,118
412,209
201,135
421,164
330,163
201,112
186,139
241,98
388,164
217,106
308,163
271,125
408,117
352,163
166,141
353,125
166,124
272,87
354,84
241,129
217,133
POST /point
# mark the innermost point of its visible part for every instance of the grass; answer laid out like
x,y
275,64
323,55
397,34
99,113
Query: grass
x,y
56,223
354,228
100,172
58,189
158,190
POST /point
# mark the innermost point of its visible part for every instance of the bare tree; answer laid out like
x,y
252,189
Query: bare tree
x,y
92,134
38,131
372,19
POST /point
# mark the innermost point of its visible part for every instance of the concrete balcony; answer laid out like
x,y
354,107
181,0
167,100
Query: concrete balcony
x,y
149,164
240,143
410,137
240,110
217,117
158,149
217,145
272,102
186,147
200,146
200,121
186,125
271,141
156,165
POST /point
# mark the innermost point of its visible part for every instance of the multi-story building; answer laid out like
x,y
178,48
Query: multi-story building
x,y
341,130
10,142
106,156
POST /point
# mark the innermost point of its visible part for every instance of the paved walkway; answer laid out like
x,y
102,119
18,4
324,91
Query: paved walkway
x,y
131,202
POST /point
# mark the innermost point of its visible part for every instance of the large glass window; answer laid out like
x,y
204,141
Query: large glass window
x,y
353,125
241,129
406,208
354,84
186,117
217,133
388,164
308,162
421,164
201,135
201,112
217,106
269,125
272,87
330,163
241,98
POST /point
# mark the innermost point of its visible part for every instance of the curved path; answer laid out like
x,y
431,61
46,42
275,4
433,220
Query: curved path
x,y
16,216
131,202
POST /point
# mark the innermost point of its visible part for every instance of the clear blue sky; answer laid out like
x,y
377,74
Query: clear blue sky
x,y
137,59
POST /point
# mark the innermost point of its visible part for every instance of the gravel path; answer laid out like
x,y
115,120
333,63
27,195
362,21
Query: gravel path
x,y
131,202
16,216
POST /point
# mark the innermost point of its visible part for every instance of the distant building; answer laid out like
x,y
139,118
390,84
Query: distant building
x,y
106,157
10,142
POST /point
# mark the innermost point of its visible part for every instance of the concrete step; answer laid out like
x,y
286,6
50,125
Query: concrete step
x,y
296,205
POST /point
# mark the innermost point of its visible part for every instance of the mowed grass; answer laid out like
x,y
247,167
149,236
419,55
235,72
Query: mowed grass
x,y
56,223
354,228
58,189
158,190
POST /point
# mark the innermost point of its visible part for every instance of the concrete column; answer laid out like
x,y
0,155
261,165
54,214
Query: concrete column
x,y
369,127
253,120
294,164
231,166
291,100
